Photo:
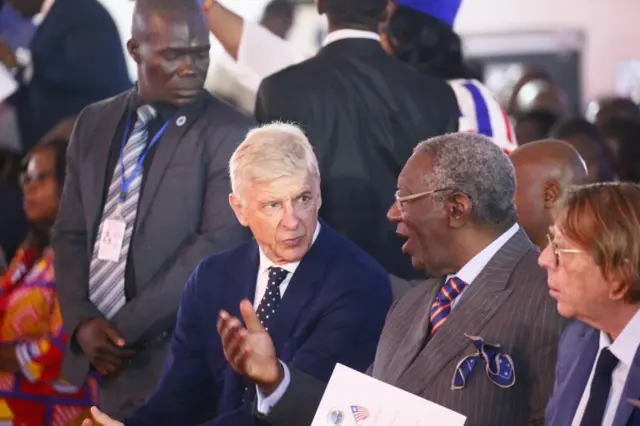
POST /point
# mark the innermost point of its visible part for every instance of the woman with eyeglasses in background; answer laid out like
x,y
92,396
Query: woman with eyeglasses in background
x,y
593,261
32,339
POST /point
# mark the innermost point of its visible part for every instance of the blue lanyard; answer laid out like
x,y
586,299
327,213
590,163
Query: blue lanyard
x,y
125,183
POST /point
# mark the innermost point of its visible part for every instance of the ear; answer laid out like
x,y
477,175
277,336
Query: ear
x,y
459,208
620,283
133,47
551,194
320,7
237,205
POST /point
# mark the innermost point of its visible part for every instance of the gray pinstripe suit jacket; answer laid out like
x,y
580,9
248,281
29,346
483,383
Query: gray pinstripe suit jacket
x,y
507,304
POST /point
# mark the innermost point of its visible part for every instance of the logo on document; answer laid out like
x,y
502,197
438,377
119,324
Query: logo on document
x,y
360,413
335,417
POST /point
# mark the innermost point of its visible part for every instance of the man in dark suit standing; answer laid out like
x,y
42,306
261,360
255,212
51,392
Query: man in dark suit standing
x,y
364,112
460,226
74,58
321,298
145,200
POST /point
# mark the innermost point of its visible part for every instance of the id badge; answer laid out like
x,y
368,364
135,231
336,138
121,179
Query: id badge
x,y
111,239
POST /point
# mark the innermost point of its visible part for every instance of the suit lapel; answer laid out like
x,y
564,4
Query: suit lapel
x,y
303,287
480,302
243,276
418,328
586,350
631,391
166,147
104,135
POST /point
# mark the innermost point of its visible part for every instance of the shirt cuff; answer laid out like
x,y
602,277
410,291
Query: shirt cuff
x,y
266,403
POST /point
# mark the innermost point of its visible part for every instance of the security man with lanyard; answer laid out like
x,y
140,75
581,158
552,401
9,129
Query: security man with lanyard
x,y
145,200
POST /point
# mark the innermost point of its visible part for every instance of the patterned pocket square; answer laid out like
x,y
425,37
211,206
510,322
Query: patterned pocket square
x,y
499,366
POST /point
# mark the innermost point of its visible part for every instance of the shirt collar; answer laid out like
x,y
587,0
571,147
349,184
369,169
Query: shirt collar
x,y
266,263
44,10
473,267
626,345
165,110
343,34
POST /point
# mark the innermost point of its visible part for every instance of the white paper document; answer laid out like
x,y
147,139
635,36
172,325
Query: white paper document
x,y
8,84
355,399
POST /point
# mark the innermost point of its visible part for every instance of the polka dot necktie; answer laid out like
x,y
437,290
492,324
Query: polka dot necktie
x,y
271,299
267,309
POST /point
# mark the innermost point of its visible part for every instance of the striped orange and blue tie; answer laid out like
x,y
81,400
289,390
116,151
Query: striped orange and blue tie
x,y
441,306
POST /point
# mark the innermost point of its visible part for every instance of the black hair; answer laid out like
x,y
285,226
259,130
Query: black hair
x,y
365,14
595,149
280,9
627,132
9,165
39,236
542,118
428,45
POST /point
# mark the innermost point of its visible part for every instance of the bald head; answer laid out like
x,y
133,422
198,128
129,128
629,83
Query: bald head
x,y
544,171
170,44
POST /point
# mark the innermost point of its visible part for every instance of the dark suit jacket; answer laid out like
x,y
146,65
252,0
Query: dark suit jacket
x,y
183,216
77,59
364,112
507,304
333,311
577,353
13,222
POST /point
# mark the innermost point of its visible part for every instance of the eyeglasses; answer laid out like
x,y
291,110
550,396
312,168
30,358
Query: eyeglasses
x,y
26,178
557,250
401,200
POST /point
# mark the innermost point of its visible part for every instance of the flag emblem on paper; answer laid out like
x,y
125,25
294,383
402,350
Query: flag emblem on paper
x,y
359,413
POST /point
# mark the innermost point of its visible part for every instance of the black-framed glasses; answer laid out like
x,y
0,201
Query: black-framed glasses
x,y
557,250
26,178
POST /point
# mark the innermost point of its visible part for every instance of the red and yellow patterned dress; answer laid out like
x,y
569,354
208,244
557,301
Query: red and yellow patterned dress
x,y
30,318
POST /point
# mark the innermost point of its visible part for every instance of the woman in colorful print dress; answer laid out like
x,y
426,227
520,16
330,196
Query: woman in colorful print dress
x,y
32,339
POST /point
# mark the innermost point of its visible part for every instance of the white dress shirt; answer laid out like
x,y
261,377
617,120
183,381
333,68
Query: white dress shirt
x,y
468,273
263,273
624,348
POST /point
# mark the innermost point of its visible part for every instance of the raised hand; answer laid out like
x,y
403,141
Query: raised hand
x,y
250,350
101,418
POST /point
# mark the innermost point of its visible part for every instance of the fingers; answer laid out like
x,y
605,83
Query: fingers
x,y
249,316
114,336
103,418
87,422
233,335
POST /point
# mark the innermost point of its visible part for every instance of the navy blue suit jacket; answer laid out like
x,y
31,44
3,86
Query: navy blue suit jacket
x,y
577,353
333,311
77,60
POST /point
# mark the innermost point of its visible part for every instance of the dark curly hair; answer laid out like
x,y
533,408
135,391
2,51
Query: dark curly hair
x,y
428,45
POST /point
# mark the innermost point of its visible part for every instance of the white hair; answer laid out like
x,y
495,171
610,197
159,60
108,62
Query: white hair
x,y
473,164
270,152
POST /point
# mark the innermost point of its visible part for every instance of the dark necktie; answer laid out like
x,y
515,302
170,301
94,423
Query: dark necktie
x,y
271,299
600,388
267,309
